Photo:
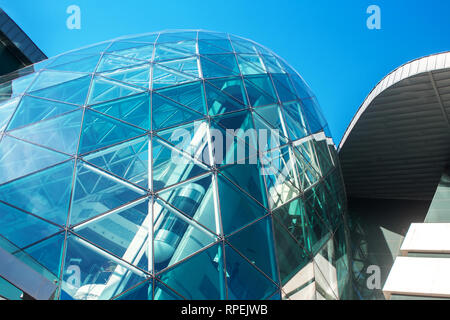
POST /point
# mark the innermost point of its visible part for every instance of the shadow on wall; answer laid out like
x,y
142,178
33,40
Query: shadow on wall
x,y
377,229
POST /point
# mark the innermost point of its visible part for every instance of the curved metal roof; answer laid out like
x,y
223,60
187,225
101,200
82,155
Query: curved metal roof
x,y
398,143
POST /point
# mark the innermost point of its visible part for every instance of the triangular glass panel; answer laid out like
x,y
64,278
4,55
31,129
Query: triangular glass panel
x,y
244,282
167,113
191,139
295,121
248,177
129,160
97,192
219,102
269,138
272,64
273,116
215,46
176,237
6,110
45,193
32,110
92,49
143,291
48,253
168,51
250,64
111,62
191,95
291,256
22,228
18,158
125,232
67,58
82,64
185,65
74,91
134,109
237,209
260,91
138,75
313,115
164,77
92,274
48,78
293,218
326,279
284,88
107,89
231,86
209,284
308,173
170,166
132,50
196,200
60,133
162,292
100,131
243,46
255,242
221,66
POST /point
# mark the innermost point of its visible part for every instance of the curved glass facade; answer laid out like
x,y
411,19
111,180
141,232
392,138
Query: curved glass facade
x,y
172,165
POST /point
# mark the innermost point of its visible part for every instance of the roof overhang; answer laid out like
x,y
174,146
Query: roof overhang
x,y
398,143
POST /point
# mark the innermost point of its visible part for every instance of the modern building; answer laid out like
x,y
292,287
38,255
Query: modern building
x,y
395,157
171,165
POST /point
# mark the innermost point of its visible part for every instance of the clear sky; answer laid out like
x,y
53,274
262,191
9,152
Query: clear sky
x,y
327,41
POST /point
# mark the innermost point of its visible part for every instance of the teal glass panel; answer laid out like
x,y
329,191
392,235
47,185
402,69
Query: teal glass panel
x,y
136,75
195,199
164,77
248,177
250,64
269,138
18,158
48,253
134,109
237,209
74,91
219,66
78,63
6,111
132,50
61,133
101,131
162,292
190,95
32,110
167,113
177,50
176,36
215,46
209,284
284,88
219,102
170,166
110,62
96,192
187,65
231,86
294,121
45,193
291,256
22,228
313,115
255,243
260,91
148,38
244,282
274,117
124,232
175,236
143,291
49,78
91,273
104,89
128,160
241,46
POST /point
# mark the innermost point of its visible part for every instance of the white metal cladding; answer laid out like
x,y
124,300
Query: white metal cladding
x,y
397,144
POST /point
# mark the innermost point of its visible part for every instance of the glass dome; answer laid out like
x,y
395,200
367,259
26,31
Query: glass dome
x,y
171,165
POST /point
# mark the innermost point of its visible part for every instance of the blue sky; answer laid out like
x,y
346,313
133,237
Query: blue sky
x,y
327,41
